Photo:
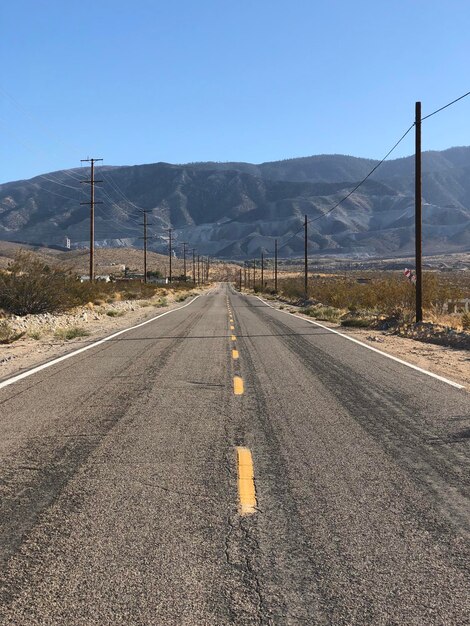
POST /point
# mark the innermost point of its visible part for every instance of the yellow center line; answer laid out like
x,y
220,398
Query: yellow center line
x,y
238,388
246,482
232,327
233,338
234,354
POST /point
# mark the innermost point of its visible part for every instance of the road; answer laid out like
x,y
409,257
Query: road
x,y
122,480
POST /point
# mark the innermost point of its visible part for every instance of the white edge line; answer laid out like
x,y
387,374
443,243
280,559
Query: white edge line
x,y
69,355
364,345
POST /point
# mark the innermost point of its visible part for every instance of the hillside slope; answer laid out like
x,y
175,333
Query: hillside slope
x,y
238,209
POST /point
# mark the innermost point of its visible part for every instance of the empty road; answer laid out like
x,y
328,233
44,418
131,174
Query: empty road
x,y
229,463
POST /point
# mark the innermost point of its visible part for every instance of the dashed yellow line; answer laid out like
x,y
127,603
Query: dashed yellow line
x,y
233,338
234,354
238,388
246,482
232,327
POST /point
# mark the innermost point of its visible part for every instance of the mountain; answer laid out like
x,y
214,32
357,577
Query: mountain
x,y
236,210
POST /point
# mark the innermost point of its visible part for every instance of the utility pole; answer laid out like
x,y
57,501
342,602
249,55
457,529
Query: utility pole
x,y
92,182
145,224
198,270
194,266
305,260
262,271
244,274
418,216
275,265
208,267
185,243
254,273
240,278
169,253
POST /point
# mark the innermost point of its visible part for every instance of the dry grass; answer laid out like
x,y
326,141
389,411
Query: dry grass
x,y
32,286
71,333
376,295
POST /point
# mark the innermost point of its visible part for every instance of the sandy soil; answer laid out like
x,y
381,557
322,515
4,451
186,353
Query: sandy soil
x,y
444,361
27,352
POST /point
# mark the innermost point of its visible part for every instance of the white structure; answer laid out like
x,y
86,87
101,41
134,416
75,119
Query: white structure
x,y
67,242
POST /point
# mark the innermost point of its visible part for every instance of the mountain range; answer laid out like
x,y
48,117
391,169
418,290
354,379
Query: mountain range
x,y
237,210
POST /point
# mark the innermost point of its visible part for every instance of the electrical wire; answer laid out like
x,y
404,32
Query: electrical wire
x,y
445,106
284,244
116,188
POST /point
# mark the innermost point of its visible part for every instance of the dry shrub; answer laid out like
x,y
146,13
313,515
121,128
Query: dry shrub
x,y
7,334
31,286
71,333
382,293
466,321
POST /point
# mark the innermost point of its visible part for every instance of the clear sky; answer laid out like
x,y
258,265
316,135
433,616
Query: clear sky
x,y
143,81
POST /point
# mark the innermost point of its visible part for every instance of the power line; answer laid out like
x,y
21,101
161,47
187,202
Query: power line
x,y
116,188
445,106
315,219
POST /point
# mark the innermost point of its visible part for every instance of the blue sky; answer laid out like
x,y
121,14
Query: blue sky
x,y
260,80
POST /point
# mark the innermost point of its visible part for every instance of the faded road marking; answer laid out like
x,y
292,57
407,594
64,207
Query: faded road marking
x,y
234,354
238,388
246,482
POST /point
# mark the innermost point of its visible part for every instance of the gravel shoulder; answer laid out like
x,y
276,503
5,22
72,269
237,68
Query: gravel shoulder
x,y
41,342
449,362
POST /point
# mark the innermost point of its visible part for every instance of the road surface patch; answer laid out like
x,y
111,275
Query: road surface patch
x,y
246,482
238,388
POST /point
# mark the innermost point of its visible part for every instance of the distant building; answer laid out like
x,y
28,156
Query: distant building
x,y
105,278
67,242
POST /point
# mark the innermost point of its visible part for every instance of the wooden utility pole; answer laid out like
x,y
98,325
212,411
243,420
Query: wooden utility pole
x,y
244,275
92,182
145,237
254,273
198,270
262,271
418,216
305,260
170,250
194,266
185,243
275,265
240,278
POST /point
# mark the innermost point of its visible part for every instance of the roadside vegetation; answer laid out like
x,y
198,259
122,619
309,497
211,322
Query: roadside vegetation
x,y
65,334
8,334
31,286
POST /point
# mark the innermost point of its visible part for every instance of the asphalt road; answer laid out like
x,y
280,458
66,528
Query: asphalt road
x,y
120,485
